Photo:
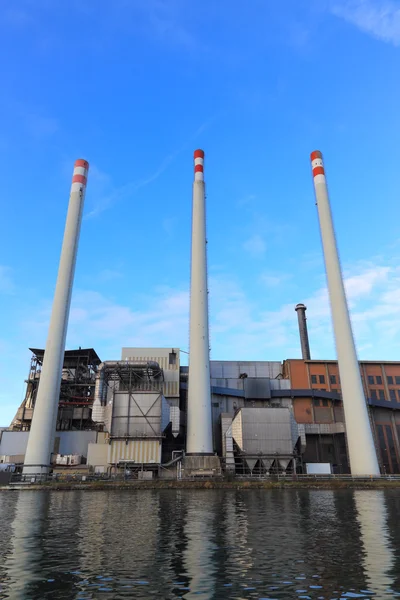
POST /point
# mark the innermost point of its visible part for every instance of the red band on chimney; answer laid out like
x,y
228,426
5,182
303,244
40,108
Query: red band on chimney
x,y
81,163
316,154
198,168
199,154
318,171
79,179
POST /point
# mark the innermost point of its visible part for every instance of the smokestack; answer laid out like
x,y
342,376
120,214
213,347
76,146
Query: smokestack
x,y
199,426
41,437
305,344
362,454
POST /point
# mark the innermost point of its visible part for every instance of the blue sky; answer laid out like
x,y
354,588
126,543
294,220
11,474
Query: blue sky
x,y
134,87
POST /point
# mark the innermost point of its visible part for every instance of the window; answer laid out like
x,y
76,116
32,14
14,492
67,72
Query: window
x,y
316,401
322,378
382,395
397,380
398,392
390,380
392,394
313,379
378,380
172,358
374,395
371,380
325,403
333,379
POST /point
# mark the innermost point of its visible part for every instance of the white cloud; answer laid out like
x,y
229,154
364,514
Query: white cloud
x,y
380,18
255,245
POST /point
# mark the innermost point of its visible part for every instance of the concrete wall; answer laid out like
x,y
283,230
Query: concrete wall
x,y
70,442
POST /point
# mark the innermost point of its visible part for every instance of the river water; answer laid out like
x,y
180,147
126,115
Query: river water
x,y
206,544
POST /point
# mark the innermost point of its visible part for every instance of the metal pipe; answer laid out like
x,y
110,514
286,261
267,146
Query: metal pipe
x,y
41,436
199,425
362,454
305,344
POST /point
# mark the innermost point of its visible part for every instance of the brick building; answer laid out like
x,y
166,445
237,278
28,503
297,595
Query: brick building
x,y
322,412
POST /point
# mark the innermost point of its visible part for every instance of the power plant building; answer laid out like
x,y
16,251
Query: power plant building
x,y
148,414
145,424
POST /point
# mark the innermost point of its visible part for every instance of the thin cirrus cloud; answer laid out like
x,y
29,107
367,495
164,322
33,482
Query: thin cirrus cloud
x,y
131,188
379,18
255,245
7,285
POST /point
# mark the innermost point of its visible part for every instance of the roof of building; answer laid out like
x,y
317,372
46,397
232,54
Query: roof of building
x,y
332,361
71,356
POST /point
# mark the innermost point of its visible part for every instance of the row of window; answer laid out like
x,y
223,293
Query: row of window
x,y
377,380
321,379
394,394
318,402
372,380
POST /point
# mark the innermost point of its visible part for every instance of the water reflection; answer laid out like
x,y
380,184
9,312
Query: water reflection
x,y
187,543
377,553
23,566
201,523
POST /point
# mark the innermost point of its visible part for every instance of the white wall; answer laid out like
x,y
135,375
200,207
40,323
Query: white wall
x,y
71,442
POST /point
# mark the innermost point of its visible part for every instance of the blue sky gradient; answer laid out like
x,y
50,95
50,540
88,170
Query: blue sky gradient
x,y
134,87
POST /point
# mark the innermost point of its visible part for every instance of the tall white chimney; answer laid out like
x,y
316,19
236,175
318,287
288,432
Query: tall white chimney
x,y
42,433
362,453
199,424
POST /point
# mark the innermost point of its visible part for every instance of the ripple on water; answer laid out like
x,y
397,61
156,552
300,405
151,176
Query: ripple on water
x,y
167,543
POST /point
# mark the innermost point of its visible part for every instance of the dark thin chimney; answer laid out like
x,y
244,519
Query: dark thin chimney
x,y
305,344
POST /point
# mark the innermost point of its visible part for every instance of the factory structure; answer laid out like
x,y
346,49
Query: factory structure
x,y
147,415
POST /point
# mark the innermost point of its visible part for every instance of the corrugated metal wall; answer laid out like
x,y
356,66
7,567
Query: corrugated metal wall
x,y
160,355
232,369
139,451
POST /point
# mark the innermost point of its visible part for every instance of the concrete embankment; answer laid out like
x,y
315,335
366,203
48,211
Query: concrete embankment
x,y
331,484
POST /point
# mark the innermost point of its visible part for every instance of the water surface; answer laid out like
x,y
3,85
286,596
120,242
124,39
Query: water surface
x,y
206,544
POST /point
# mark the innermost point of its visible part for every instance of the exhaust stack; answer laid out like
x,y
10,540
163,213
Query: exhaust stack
x,y
362,454
41,436
305,344
199,425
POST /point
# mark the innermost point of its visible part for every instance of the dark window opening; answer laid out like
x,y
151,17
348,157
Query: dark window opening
x,y
397,379
382,395
379,380
333,378
371,380
313,379
374,395
390,380
316,402
322,378
392,450
172,358
325,403
392,394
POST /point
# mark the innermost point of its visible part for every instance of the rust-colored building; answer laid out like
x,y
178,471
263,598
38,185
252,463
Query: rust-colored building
x,y
322,412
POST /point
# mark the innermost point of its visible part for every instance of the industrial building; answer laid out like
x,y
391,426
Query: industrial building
x,y
267,417
147,415
322,412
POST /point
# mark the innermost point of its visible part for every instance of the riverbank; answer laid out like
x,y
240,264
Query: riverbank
x,y
217,484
